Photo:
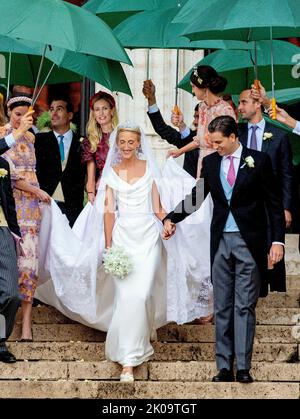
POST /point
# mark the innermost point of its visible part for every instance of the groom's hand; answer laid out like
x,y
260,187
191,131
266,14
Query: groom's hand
x,y
169,229
276,253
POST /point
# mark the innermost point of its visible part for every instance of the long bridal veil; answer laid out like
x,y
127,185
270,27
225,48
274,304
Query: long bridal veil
x,y
72,277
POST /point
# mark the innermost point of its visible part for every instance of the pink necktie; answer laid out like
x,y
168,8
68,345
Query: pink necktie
x,y
231,172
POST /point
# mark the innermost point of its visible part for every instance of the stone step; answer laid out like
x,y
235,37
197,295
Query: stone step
x,y
146,390
265,315
293,280
204,371
94,351
290,299
153,371
168,333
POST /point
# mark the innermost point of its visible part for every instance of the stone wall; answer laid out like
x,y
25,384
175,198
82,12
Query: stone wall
x,y
162,70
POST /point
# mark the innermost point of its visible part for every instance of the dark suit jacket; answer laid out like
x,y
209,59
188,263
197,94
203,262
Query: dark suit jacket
x,y
174,137
3,146
7,200
279,149
255,190
49,171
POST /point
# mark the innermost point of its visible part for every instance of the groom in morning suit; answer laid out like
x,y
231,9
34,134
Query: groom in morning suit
x,y
242,185
9,289
58,161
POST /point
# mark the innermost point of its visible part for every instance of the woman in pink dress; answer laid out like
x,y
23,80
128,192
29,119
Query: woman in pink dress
x,y
207,85
102,121
27,194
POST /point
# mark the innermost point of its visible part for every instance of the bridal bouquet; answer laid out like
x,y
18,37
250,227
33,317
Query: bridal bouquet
x,y
117,262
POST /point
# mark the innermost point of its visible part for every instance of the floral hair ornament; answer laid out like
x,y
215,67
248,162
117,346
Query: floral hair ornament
x,y
19,99
199,80
102,95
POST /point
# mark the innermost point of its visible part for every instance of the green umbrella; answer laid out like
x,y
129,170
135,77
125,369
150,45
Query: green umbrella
x,y
137,32
61,24
25,60
245,20
114,12
238,66
154,29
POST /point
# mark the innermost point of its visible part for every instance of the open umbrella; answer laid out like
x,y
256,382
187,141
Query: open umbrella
x,y
61,24
238,66
25,60
115,11
138,32
243,20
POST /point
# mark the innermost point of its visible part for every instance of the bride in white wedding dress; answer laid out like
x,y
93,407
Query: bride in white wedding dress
x,y
162,287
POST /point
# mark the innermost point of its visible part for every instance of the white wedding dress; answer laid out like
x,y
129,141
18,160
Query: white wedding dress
x,y
170,280
140,298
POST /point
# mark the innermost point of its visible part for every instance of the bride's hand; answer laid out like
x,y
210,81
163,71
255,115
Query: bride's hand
x,y
173,153
169,229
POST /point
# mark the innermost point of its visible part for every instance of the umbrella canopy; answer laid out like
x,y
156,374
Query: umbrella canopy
x,y
238,66
240,19
138,32
114,12
61,24
24,70
25,61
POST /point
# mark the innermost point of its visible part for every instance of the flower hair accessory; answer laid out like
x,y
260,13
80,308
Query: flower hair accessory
x,y
19,99
102,95
199,80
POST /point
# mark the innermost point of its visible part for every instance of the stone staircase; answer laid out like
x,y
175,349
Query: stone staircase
x,y
66,359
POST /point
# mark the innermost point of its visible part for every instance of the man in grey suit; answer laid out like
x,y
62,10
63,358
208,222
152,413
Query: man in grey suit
x,y
242,186
9,290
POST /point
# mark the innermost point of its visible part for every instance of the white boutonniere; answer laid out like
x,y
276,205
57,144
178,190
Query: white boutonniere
x,y
81,139
249,161
267,136
3,173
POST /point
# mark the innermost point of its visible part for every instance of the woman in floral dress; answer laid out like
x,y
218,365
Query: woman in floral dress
x,y
27,194
207,85
103,119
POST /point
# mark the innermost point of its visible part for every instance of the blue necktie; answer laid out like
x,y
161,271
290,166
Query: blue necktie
x,y
253,139
61,147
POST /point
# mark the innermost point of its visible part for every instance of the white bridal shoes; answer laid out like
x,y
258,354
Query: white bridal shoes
x,y
127,377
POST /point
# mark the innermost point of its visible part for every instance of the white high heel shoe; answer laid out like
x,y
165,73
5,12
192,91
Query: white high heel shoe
x,y
127,377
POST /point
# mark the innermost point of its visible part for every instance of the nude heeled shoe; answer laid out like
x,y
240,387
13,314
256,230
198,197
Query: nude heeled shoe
x,y
127,378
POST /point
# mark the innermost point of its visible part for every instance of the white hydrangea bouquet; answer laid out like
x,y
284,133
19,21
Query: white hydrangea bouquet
x,y
117,262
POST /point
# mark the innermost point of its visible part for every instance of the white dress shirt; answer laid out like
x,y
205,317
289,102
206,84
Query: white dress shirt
x,y
296,130
259,133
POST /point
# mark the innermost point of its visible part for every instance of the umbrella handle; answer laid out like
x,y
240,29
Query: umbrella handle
x,y
273,106
256,84
177,111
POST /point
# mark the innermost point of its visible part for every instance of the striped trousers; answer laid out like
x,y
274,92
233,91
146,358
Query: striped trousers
x,y
9,290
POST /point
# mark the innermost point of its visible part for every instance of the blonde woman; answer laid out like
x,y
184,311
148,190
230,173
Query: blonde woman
x,y
103,119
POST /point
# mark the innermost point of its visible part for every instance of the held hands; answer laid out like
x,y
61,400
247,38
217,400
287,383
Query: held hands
x,y
276,253
169,229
